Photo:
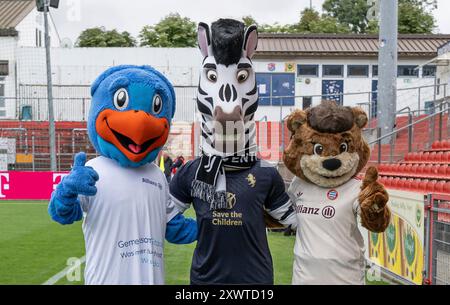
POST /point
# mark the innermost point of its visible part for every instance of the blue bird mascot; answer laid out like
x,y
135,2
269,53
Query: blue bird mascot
x,y
122,194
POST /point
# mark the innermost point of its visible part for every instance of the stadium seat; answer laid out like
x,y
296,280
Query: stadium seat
x,y
431,156
441,171
438,157
420,169
439,187
447,187
446,144
424,156
431,186
423,184
414,186
414,169
436,145
446,157
402,183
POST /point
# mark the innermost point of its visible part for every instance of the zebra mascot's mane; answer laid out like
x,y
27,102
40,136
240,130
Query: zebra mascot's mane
x,y
227,100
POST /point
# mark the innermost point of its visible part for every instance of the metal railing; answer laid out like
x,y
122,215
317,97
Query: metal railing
x,y
437,240
441,105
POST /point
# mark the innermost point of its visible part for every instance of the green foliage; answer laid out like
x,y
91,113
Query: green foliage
x,y
172,31
310,22
414,16
100,37
349,12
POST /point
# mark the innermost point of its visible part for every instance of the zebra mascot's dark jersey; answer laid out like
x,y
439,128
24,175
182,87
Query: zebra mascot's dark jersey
x,y
228,186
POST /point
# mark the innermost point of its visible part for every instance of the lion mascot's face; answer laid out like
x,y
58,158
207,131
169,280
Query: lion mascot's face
x,y
327,147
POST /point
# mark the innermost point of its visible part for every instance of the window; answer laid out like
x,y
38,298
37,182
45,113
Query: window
x,y
308,70
358,70
429,71
333,70
307,102
407,71
4,68
374,70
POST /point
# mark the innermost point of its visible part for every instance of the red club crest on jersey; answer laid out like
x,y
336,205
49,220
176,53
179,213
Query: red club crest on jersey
x,y
332,194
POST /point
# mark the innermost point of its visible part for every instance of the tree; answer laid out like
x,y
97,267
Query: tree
x,y
249,20
349,12
172,31
413,16
100,37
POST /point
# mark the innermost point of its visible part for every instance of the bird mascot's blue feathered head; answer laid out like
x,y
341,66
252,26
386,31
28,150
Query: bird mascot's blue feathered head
x,y
131,111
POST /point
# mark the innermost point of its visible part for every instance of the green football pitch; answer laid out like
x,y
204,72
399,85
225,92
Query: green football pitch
x,y
33,248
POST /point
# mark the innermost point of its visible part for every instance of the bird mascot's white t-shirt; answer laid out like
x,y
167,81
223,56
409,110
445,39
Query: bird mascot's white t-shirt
x,y
124,224
329,248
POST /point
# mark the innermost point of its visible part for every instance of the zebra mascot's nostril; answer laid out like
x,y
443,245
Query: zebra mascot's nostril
x,y
331,164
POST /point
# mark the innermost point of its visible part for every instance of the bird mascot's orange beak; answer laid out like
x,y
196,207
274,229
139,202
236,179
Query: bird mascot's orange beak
x,y
134,132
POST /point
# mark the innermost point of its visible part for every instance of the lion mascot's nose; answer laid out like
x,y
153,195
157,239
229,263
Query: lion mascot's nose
x,y
331,164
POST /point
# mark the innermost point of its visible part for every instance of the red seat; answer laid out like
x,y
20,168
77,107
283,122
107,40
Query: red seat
x,y
432,157
442,171
447,187
439,187
395,183
446,157
424,156
402,183
436,145
414,186
414,169
431,186
438,157
427,170
423,184
401,169
446,144
420,169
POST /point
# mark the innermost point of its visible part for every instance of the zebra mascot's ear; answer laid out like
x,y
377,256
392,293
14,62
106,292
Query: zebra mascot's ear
x,y
204,40
250,41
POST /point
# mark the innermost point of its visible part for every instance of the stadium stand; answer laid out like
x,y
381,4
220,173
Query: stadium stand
x,y
426,171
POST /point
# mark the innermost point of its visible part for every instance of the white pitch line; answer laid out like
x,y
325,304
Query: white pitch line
x,y
54,279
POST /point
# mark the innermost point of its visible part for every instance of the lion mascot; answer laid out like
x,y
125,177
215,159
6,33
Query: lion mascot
x,y
326,153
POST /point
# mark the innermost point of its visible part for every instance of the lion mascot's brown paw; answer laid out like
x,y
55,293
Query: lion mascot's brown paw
x,y
375,215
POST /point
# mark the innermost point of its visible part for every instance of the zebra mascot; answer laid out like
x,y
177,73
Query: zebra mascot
x,y
229,187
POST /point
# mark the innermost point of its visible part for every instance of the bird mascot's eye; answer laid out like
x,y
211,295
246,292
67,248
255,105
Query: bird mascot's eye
x,y
157,104
121,99
343,147
318,149
211,75
242,75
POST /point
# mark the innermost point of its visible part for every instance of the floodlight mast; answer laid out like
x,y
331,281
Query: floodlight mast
x,y
43,6
387,67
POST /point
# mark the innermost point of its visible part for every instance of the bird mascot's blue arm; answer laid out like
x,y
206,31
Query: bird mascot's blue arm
x,y
181,230
64,206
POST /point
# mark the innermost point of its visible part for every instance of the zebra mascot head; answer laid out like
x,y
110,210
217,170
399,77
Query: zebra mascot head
x,y
227,100
227,94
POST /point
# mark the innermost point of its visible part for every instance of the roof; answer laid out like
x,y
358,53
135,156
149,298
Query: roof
x,y
412,45
12,12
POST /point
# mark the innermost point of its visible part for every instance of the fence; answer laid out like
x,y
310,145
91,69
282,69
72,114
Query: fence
x,y
437,240
72,103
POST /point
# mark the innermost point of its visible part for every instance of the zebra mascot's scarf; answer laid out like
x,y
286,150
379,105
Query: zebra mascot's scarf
x,y
227,100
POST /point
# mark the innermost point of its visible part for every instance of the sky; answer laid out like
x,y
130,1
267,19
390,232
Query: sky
x,y
73,16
